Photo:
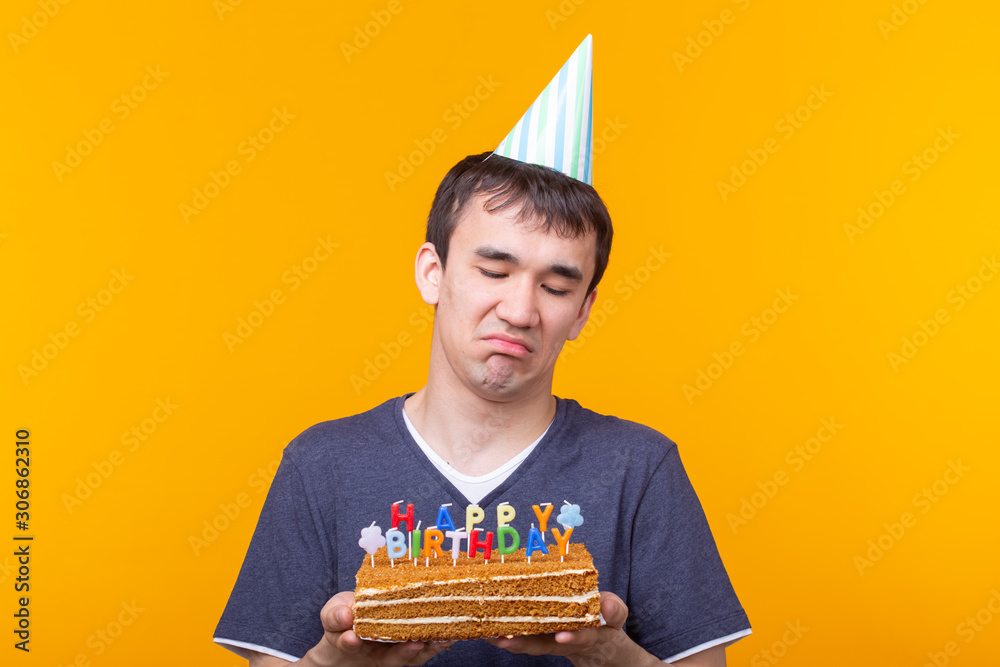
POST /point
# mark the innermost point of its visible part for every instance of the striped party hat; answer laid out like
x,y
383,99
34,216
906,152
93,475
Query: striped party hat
x,y
556,130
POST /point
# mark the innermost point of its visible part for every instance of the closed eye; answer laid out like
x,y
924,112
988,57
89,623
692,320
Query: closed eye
x,y
490,274
555,292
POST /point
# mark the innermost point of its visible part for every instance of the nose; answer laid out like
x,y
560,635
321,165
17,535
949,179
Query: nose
x,y
517,305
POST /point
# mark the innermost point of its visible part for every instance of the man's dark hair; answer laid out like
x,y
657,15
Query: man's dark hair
x,y
557,201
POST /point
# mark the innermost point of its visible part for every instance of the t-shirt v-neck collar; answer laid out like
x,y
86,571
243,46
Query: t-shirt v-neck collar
x,y
553,429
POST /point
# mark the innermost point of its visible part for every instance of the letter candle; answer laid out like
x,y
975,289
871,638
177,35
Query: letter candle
x,y
475,544
535,543
415,537
502,532
563,541
396,545
406,517
543,517
473,515
433,538
456,544
444,518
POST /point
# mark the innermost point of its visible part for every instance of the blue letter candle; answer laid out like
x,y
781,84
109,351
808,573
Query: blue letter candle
x,y
535,542
444,519
396,543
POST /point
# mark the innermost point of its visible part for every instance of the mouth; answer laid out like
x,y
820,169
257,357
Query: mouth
x,y
511,345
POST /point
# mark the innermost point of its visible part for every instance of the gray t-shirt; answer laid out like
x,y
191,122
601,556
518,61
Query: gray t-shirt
x,y
643,524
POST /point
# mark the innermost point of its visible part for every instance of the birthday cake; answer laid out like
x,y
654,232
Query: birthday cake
x,y
440,598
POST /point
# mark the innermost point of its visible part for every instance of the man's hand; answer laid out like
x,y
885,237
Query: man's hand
x,y
582,646
340,646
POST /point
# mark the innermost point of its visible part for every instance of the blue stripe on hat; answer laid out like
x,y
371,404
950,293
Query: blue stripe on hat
x,y
560,128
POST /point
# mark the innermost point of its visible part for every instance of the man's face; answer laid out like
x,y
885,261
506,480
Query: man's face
x,y
509,299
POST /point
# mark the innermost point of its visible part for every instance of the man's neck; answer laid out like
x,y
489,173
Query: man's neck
x,y
475,435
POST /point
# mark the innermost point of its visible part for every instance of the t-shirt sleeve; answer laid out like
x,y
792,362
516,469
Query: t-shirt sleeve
x,y
680,596
288,573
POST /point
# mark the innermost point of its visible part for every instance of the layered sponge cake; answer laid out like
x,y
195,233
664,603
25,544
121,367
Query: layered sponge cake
x,y
436,600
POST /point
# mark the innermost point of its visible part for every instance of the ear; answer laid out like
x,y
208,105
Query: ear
x,y
429,272
581,317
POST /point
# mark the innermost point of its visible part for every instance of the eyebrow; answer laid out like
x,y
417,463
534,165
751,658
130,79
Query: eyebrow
x,y
496,254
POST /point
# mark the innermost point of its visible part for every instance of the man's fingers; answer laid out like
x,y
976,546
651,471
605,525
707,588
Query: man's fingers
x,y
404,653
532,645
614,610
349,643
576,639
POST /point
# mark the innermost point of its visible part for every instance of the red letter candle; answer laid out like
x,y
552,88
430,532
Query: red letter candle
x,y
475,544
407,518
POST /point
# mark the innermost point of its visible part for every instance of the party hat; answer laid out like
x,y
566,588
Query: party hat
x,y
556,130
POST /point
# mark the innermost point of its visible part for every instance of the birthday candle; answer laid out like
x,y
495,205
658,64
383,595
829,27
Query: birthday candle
x,y
406,517
505,514
396,545
502,533
444,518
475,544
535,543
473,515
415,537
456,543
371,540
433,538
543,517
563,541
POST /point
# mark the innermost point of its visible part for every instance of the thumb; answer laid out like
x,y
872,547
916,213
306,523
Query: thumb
x,y
614,610
337,615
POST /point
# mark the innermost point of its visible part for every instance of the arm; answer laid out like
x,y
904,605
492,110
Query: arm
x,y
340,647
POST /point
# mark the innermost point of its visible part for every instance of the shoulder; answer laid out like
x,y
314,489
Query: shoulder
x,y
608,432
339,438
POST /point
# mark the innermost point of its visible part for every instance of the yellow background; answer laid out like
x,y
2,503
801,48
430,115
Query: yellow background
x,y
677,132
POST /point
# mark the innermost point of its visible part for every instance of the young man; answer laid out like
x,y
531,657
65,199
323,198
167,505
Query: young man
x,y
513,257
